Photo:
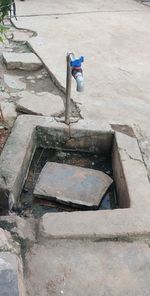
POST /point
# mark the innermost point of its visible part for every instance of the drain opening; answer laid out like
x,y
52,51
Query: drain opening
x,y
75,158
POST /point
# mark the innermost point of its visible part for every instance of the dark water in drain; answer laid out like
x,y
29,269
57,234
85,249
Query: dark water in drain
x,y
88,160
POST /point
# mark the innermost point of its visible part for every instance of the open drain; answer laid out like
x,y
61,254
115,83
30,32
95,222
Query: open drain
x,y
74,159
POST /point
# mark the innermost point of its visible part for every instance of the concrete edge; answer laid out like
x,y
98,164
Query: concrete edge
x,y
109,224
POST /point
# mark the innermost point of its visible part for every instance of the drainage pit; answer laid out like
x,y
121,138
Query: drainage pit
x,y
76,158
81,139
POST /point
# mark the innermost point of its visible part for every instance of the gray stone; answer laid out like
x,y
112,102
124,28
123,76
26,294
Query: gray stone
x,y
13,83
47,105
72,185
11,275
22,61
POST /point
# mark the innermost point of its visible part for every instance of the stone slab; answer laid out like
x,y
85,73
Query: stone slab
x,y
23,61
72,185
13,83
11,278
89,268
47,105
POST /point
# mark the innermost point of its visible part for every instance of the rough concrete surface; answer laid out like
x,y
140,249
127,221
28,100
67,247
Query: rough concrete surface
x,y
82,268
47,105
110,224
72,185
11,275
22,61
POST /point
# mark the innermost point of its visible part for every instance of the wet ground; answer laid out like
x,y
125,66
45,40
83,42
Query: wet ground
x,y
37,206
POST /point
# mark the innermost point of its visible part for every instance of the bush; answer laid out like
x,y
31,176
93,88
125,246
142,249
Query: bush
x,y
5,7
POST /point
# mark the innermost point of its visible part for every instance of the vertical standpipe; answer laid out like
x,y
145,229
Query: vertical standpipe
x,y
73,69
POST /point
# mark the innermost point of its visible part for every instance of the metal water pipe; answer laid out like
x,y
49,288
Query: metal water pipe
x,y
73,69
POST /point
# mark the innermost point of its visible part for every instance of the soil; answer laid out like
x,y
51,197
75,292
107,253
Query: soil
x,y
4,133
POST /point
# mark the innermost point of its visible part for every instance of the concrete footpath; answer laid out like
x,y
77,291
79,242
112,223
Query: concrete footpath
x,y
114,37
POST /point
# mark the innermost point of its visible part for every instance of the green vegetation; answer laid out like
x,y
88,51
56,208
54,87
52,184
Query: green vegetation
x,y
5,7
2,31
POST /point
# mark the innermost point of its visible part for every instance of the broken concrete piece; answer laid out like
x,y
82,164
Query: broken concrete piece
x,y
47,105
72,185
11,275
23,61
13,83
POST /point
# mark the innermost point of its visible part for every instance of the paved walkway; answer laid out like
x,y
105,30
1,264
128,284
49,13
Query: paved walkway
x,y
114,38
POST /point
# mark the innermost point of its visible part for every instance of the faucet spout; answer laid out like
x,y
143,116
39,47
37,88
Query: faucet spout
x,y
77,73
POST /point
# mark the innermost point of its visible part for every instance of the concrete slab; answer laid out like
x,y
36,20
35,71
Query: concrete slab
x,y
11,275
47,105
71,268
72,185
22,61
110,224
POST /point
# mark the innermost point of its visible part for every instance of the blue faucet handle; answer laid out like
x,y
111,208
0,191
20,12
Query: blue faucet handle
x,y
77,62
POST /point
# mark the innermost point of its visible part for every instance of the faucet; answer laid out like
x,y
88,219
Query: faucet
x,y
73,69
